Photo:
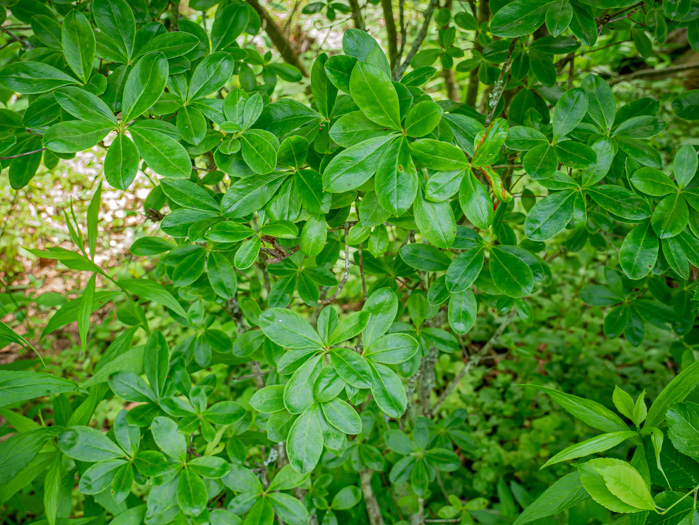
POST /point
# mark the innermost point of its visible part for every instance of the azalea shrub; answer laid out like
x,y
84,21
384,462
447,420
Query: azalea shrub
x,y
315,257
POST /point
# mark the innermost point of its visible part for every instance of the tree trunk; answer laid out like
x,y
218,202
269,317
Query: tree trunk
x,y
391,32
357,15
277,37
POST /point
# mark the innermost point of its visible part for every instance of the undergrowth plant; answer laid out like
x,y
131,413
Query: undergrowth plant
x,y
326,254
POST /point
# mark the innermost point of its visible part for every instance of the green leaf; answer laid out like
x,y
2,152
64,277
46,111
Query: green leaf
x,y
519,18
115,19
342,416
540,162
351,367
229,24
288,329
436,221
587,411
463,310
191,493
163,155
293,151
349,327
324,92
249,195
19,386
591,446
314,236
652,182
686,163
424,257
558,17
601,105
392,349
222,275
305,442
576,155
211,74
683,428
121,162
339,71
189,195
33,77
156,362
86,301
78,42
347,498
172,45
308,185
423,118
374,94
353,128
382,306
354,166
289,509
670,217
569,112
639,251
152,291
88,444
396,178
464,269
565,493
85,106
259,148
170,441
144,85
510,273
191,123
388,390
620,202
675,392
596,295
599,486
269,399
475,201
73,136
489,142
438,155
550,216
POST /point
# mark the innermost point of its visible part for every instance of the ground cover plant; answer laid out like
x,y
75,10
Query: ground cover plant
x,y
366,278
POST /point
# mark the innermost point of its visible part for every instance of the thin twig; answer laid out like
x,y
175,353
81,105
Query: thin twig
x,y
25,43
344,278
652,73
500,84
400,68
23,154
361,268
474,360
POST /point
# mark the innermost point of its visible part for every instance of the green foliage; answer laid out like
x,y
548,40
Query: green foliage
x,y
420,217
